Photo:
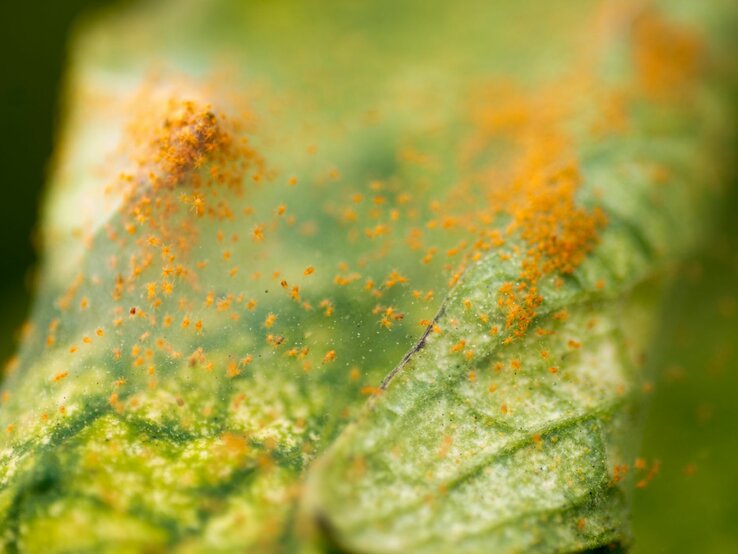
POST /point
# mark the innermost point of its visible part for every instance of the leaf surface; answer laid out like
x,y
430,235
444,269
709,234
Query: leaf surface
x,y
251,219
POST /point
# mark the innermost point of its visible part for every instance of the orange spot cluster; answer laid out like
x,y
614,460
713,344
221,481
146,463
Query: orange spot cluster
x,y
667,57
186,161
650,472
531,198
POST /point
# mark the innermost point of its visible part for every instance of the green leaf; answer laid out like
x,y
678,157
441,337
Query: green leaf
x,y
206,326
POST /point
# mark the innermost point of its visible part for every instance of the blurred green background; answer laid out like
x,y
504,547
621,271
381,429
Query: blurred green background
x,y
692,419
692,425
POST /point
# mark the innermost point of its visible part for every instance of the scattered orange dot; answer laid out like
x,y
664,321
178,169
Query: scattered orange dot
x,y
459,346
59,376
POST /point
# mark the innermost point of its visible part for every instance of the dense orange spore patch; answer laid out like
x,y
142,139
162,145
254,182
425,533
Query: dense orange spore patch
x,y
557,233
529,211
171,142
187,136
667,56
